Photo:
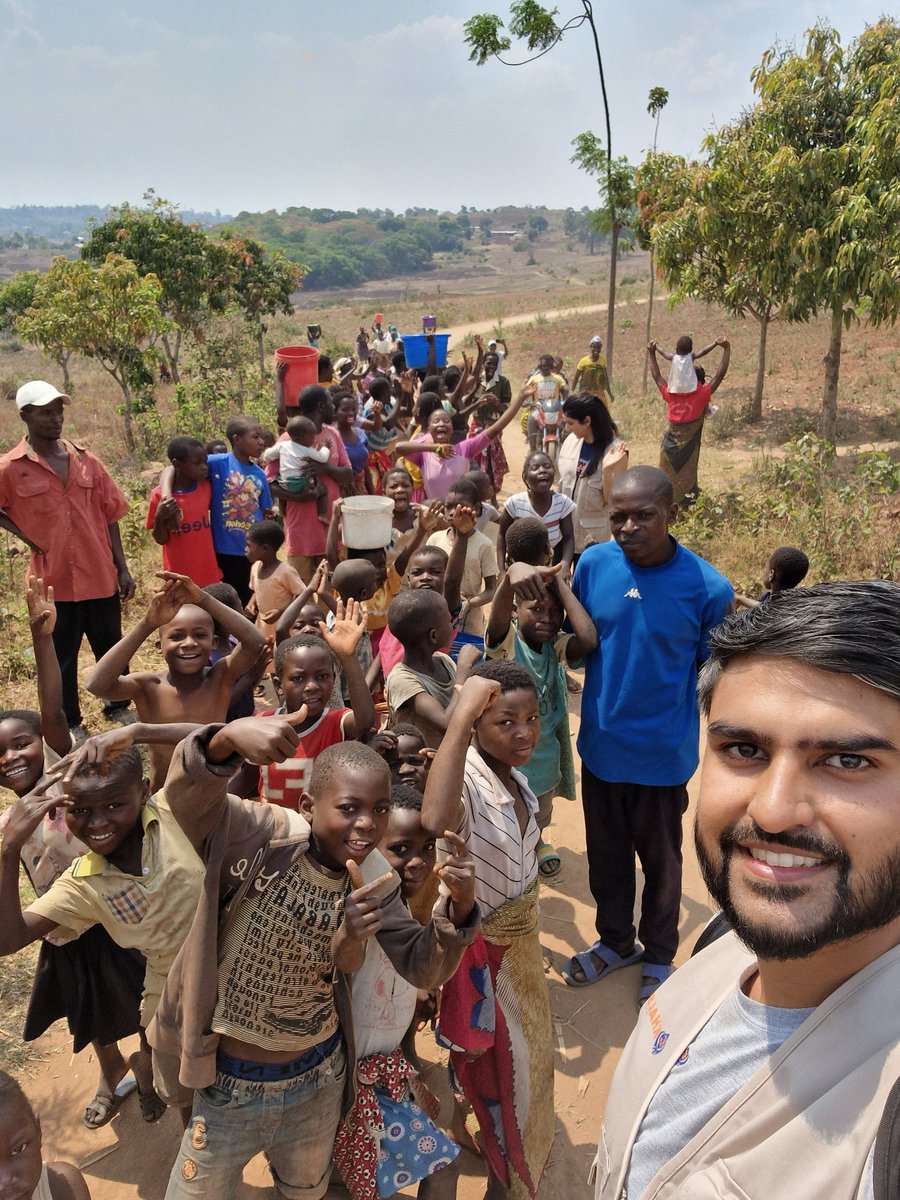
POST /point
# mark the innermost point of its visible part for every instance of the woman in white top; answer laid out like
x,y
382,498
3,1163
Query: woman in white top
x,y
589,460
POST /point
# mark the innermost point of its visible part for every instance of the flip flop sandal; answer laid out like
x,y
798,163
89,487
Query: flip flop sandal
x,y
652,975
549,862
151,1105
105,1105
609,960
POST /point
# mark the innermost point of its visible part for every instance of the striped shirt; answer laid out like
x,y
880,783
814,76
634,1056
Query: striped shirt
x,y
505,860
560,506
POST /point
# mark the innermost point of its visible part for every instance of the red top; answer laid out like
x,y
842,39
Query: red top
x,y
189,550
284,783
69,523
686,406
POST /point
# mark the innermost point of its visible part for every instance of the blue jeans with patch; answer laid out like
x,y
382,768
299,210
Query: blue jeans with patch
x,y
292,1121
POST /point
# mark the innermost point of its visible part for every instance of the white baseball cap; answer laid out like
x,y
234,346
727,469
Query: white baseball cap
x,y
596,340
38,393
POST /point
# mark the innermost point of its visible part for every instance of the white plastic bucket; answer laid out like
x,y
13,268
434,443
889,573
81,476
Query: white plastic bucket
x,y
366,522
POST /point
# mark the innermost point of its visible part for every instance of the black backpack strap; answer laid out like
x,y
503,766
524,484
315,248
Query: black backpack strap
x,y
717,927
886,1165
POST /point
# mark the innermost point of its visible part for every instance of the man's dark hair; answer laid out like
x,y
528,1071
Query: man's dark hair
x,y
302,641
181,448
509,674
432,383
325,365
267,533
398,362
527,541
655,480
842,628
452,376
789,566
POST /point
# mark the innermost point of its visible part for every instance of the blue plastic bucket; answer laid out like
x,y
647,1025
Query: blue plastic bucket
x,y
415,348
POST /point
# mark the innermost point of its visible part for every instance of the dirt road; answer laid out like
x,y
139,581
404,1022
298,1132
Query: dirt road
x,y
128,1159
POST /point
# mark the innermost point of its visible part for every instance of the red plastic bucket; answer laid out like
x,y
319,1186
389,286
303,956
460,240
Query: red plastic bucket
x,y
303,369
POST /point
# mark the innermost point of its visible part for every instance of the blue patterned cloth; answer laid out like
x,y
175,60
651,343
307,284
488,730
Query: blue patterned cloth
x,y
412,1147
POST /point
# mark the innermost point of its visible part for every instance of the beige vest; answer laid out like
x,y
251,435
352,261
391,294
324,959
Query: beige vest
x,y
801,1128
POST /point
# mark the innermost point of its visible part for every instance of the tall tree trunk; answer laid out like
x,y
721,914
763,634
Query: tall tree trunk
x,y
261,348
172,355
649,319
126,413
611,307
63,360
592,236
756,404
832,373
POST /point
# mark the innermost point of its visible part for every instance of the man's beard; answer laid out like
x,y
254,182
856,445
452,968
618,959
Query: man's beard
x,y
870,903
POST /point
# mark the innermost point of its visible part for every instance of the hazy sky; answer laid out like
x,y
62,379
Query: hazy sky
x,y
345,104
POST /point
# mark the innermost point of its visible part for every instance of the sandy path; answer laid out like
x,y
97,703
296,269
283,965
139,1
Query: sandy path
x,y
127,1159
458,332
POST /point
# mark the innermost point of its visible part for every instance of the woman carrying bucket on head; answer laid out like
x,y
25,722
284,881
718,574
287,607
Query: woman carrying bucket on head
x,y
443,463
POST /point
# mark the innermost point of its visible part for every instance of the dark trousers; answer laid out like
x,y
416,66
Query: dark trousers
x,y
100,621
235,570
622,819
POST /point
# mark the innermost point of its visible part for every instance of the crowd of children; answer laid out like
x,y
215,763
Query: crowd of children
x,y
349,792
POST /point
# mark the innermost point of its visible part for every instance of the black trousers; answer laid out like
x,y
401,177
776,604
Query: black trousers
x,y
235,570
100,621
621,820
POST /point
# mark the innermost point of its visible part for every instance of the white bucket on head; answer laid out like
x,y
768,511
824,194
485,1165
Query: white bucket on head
x,y
366,522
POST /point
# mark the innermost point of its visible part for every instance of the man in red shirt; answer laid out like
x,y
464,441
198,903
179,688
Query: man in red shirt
x,y
680,453
60,500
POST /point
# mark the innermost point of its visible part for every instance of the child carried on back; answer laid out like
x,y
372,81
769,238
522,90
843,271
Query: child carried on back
x,y
298,459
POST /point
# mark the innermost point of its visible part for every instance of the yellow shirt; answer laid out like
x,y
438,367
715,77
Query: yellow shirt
x,y
594,378
151,912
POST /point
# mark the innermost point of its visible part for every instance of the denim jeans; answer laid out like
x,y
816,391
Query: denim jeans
x,y
293,1122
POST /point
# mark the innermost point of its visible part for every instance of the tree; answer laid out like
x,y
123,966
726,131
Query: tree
x,y
16,298
825,127
263,285
197,273
108,312
714,232
536,26
656,102
617,192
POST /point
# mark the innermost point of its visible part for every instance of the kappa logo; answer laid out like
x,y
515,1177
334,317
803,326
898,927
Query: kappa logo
x,y
632,594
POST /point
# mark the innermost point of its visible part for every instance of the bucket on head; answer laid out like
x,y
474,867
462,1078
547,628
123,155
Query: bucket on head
x,y
303,369
379,318
415,348
366,522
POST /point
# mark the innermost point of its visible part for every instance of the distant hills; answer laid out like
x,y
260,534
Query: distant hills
x,y
61,224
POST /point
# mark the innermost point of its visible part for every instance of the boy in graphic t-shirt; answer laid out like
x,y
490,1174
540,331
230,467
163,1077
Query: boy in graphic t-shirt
x,y
181,524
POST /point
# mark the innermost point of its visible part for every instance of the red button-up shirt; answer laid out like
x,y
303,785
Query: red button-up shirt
x,y
69,522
